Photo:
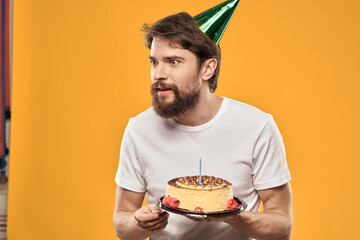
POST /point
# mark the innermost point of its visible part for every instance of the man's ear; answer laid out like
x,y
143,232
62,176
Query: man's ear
x,y
208,68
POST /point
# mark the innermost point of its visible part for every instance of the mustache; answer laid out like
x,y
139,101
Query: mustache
x,y
161,84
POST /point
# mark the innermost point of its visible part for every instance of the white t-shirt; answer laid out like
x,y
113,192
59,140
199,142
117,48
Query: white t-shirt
x,y
240,144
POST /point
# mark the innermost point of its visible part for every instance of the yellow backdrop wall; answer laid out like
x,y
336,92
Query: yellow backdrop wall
x,y
80,70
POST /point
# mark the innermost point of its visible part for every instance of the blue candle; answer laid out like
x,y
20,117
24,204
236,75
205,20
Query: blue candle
x,y
200,173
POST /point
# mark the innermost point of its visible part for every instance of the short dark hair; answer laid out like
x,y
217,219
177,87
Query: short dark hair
x,y
181,29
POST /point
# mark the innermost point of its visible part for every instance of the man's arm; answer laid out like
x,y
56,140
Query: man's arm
x,y
131,221
275,222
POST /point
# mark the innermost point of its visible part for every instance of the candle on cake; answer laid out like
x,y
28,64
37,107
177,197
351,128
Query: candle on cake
x,y
200,173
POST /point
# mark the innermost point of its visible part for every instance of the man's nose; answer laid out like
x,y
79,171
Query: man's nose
x,y
160,72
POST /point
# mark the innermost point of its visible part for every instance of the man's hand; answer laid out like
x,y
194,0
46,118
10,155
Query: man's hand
x,y
151,219
131,221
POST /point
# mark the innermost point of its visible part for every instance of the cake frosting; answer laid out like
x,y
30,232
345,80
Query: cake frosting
x,y
212,195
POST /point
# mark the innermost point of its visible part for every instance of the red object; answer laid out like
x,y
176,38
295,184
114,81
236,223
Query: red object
x,y
172,202
198,209
4,77
232,204
167,200
5,52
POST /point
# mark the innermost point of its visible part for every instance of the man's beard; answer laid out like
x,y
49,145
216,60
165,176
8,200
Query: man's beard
x,y
182,102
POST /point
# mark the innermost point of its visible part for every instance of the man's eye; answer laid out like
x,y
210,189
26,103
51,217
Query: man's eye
x,y
153,62
174,61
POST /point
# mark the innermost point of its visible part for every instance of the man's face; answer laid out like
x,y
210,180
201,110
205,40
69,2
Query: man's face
x,y
176,79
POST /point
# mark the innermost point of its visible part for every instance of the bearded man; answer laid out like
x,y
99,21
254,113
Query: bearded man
x,y
237,142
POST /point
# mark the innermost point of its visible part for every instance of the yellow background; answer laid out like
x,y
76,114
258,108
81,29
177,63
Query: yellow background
x,y
80,70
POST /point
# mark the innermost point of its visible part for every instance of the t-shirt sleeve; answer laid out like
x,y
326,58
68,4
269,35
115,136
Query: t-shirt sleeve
x,y
270,168
129,174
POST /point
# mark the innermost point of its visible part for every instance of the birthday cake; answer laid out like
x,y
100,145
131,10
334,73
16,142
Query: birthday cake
x,y
211,195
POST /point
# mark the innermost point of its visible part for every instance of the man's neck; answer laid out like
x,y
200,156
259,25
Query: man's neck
x,y
205,110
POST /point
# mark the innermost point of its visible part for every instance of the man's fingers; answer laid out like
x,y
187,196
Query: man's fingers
x,y
146,214
146,217
149,224
155,230
151,218
155,209
156,225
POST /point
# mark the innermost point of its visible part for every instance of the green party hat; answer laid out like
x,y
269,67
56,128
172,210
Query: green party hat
x,y
214,21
